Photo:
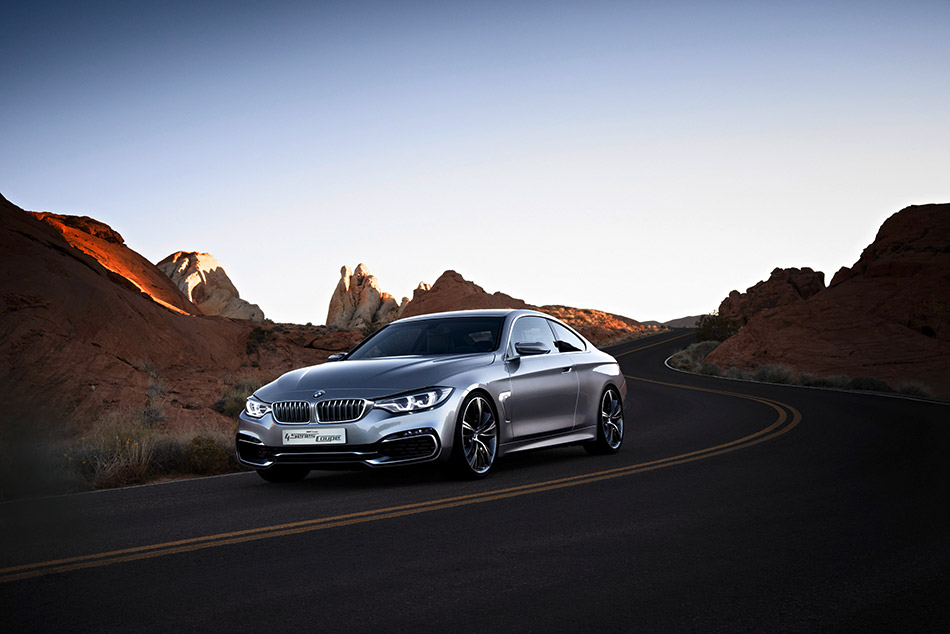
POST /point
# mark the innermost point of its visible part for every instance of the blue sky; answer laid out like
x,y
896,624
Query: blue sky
x,y
639,157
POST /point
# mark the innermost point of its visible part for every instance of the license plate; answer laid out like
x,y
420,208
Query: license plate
x,y
331,436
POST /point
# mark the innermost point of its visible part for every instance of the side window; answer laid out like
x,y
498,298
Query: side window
x,y
533,330
566,341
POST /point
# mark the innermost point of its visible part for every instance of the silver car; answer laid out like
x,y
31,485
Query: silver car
x,y
463,388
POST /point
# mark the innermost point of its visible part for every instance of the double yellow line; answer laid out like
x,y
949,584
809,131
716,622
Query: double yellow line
x,y
787,417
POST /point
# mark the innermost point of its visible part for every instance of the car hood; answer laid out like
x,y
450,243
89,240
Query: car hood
x,y
370,378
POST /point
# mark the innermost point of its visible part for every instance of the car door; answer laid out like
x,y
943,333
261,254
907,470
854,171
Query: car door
x,y
543,386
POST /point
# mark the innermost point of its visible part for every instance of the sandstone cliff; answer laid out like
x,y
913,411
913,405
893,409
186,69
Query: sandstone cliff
x,y
205,283
888,316
784,286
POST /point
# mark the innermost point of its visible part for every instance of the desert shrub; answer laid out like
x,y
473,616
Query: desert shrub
x,y
710,369
868,383
149,368
810,380
154,413
258,337
738,373
691,358
775,374
837,380
205,456
682,361
231,402
912,388
168,456
714,327
117,453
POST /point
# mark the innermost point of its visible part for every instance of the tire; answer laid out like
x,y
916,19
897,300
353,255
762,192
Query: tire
x,y
476,438
284,473
609,424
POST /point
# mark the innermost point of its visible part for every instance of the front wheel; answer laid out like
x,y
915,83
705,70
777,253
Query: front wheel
x,y
609,424
476,438
284,473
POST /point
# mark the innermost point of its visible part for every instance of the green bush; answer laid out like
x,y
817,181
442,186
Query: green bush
x,y
714,327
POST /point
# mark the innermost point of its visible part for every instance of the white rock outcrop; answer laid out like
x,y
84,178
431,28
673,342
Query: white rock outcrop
x,y
202,279
357,301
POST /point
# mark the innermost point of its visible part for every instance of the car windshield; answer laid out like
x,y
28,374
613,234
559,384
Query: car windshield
x,y
444,336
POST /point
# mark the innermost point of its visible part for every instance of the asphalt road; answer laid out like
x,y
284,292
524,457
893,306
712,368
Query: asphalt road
x,y
732,506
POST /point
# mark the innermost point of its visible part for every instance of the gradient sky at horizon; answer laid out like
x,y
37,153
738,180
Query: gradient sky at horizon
x,y
638,157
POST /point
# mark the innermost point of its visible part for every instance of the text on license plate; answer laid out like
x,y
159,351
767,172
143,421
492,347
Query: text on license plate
x,y
331,436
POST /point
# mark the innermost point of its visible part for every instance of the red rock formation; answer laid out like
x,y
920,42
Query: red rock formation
x,y
452,292
888,316
784,286
78,339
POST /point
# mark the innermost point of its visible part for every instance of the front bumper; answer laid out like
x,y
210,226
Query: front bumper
x,y
379,439
419,445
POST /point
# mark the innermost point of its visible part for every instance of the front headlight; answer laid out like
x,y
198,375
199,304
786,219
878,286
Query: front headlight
x,y
255,408
416,401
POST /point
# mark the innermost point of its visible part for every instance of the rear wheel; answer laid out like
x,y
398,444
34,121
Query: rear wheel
x,y
476,438
609,424
284,473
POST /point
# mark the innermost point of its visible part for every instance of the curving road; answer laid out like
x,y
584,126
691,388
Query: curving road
x,y
733,507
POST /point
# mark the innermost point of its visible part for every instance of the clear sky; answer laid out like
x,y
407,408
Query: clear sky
x,y
643,158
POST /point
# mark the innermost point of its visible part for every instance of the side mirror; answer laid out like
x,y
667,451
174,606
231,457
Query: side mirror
x,y
336,357
530,348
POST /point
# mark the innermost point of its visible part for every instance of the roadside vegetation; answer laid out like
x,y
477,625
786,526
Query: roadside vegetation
x,y
693,359
132,446
715,327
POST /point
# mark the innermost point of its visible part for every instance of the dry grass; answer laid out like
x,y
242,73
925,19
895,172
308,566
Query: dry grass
x,y
124,449
117,453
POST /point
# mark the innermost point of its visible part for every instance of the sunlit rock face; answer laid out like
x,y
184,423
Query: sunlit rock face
x,y
358,302
203,280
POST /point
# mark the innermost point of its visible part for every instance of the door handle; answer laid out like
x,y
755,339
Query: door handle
x,y
566,370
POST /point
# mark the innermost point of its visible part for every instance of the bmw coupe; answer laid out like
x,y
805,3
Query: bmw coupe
x,y
462,388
